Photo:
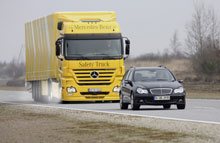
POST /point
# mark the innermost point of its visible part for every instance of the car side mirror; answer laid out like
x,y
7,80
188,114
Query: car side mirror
x,y
128,82
180,80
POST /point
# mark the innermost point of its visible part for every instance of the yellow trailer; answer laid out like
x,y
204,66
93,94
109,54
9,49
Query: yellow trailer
x,y
75,56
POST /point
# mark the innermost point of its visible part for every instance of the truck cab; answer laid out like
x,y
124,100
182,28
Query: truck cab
x,y
90,54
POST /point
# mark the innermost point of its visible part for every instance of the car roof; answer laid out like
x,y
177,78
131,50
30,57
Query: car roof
x,y
145,68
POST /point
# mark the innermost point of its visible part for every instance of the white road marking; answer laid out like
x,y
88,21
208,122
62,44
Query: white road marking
x,y
206,108
116,113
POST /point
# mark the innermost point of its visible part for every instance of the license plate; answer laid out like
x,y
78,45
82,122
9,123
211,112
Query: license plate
x,y
161,97
94,89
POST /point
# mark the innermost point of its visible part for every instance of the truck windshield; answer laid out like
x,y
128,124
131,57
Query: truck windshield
x,y
93,49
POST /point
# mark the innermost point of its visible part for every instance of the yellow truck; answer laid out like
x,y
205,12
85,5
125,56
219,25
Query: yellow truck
x,y
75,56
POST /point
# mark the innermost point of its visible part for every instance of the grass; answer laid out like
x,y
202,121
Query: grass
x,y
52,127
122,133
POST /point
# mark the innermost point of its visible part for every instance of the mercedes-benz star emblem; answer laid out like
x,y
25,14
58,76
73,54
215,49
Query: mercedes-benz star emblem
x,y
94,74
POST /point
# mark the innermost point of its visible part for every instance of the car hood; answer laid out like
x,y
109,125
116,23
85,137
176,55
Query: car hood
x,y
158,84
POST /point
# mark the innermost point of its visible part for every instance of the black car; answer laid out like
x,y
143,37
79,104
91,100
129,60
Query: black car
x,y
151,86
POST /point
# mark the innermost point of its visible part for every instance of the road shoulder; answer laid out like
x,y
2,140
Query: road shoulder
x,y
25,123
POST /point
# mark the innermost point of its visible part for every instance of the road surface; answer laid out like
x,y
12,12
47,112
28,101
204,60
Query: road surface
x,y
206,111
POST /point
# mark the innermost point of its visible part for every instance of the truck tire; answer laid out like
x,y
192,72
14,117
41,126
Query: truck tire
x,y
45,91
32,90
36,91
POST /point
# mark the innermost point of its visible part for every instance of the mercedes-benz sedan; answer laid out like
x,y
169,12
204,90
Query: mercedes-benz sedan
x,y
151,86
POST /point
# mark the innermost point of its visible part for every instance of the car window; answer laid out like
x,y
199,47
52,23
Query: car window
x,y
130,75
126,78
125,75
153,75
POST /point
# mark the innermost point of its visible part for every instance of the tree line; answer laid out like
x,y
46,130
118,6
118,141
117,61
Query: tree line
x,y
12,69
201,45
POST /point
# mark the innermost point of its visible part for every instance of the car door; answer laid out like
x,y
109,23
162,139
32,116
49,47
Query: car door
x,y
123,85
127,86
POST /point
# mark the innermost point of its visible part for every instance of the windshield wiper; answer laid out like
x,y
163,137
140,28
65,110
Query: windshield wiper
x,y
106,56
109,57
79,57
161,79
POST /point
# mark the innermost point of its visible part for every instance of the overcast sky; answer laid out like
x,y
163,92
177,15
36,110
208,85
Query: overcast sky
x,y
149,24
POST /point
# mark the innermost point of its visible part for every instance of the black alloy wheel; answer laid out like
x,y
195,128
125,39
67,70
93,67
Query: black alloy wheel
x,y
166,106
122,104
133,105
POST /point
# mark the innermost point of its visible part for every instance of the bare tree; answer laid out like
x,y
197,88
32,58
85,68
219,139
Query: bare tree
x,y
175,45
203,36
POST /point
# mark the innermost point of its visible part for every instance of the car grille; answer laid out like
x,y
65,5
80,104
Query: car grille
x,y
161,91
83,76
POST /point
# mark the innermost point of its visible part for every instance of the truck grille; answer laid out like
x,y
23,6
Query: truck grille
x,y
94,93
161,91
84,76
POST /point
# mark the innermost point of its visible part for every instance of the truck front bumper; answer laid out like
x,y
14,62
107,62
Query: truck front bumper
x,y
104,93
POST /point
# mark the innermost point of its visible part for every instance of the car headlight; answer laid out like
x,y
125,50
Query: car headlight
x,y
179,90
71,89
116,89
142,91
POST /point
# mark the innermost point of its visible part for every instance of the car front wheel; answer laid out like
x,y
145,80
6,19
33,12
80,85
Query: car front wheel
x,y
166,106
122,104
181,106
133,105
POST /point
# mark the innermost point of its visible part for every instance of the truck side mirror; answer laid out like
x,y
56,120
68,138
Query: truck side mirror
x,y
57,50
127,42
58,46
127,48
59,25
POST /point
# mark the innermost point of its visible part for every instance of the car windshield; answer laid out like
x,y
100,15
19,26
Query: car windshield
x,y
153,75
94,49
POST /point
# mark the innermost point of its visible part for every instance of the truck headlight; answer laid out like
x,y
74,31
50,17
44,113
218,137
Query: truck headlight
x,y
179,90
116,89
142,91
71,89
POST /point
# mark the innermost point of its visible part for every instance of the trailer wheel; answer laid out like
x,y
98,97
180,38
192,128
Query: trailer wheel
x,y
36,91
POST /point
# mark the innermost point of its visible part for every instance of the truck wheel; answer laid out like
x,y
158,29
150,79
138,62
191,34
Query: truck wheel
x,y
122,104
36,91
133,105
43,96
33,90
64,102
115,101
